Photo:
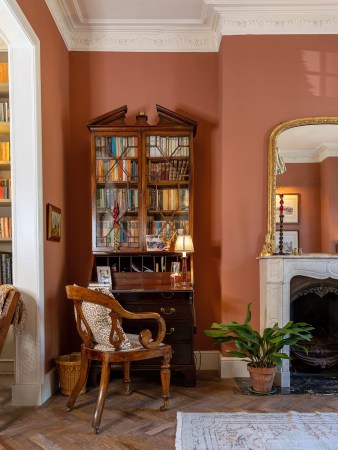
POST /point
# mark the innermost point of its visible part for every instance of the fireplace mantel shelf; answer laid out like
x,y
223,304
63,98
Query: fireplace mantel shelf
x,y
303,256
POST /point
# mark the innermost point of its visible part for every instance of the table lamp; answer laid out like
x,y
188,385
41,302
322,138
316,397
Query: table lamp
x,y
184,245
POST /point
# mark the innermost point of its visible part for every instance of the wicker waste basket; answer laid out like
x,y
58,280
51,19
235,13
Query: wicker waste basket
x,y
68,367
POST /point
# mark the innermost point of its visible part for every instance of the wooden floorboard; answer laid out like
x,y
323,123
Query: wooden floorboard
x,y
135,422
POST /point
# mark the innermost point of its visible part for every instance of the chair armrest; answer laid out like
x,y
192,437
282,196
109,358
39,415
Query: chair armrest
x,y
145,337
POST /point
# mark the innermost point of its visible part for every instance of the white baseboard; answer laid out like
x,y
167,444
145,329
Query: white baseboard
x,y
35,394
207,360
232,367
226,366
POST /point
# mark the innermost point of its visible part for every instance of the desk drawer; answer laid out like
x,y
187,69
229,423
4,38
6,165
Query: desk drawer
x,y
176,331
167,309
145,296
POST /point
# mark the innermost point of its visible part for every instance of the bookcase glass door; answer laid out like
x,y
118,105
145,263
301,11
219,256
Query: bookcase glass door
x,y
168,187
117,191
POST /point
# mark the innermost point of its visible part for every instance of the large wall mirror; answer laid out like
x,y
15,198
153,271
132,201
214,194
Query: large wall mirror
x,y
303,166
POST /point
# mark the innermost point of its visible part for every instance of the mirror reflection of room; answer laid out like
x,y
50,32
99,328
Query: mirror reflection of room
x,y
310,187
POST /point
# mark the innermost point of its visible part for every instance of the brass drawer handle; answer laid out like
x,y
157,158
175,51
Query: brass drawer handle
x,y
172,330
171,294
168,311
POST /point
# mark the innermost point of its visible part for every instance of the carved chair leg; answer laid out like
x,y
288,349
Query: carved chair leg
x,y
126,376
104,382
165,380
80,382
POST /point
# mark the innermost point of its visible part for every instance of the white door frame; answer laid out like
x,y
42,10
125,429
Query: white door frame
x,y
29,386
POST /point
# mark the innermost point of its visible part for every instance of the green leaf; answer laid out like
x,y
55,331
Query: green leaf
x,y
214,333
248,315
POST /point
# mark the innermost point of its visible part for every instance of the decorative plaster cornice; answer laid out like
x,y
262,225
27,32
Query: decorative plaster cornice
x,y
133,42
310,156
279,24
217,18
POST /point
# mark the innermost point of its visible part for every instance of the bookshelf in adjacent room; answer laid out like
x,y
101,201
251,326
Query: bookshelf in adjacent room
x,y
8,352
5,174
142,199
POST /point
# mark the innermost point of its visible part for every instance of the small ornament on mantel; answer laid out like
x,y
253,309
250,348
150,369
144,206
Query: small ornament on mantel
x,y
281,219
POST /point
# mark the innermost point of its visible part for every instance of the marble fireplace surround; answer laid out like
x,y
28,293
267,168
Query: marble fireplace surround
x,y
275,274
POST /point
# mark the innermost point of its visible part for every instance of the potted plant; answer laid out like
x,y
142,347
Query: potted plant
x,y
263,352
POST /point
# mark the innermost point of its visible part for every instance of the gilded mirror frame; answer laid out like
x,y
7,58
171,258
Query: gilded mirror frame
x,y
269,244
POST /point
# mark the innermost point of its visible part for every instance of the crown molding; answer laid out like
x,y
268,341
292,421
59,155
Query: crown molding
x,y
218,18
144,42
258,24
316,155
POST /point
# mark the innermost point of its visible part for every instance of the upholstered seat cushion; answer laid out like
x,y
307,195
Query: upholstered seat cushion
x,y
100,323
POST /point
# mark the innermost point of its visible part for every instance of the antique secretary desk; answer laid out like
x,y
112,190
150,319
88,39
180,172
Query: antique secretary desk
x,y
142,199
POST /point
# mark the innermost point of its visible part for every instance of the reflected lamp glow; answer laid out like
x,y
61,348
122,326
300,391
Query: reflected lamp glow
x,y
184,245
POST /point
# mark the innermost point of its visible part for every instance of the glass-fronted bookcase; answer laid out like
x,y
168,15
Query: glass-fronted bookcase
x,y
142,199
142,184
142,189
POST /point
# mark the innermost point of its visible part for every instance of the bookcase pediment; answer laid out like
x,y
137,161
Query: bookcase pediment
x,y
167,118
171,118
115,117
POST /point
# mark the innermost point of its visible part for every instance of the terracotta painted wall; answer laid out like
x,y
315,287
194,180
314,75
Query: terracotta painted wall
x,y
266,80
55,139
186,83
238,96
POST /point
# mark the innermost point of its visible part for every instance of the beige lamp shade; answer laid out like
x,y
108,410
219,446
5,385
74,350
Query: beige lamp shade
x,y
184,244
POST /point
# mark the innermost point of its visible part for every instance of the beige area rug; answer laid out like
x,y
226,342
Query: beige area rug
x,y
257,431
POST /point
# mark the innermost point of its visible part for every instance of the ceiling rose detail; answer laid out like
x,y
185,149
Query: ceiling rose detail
x,y
217,18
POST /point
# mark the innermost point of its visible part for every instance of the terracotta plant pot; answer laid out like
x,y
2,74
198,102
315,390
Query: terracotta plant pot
x,y
262,378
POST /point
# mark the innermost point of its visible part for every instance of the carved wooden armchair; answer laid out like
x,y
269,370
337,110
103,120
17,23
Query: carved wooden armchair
x,y
98,321
7,314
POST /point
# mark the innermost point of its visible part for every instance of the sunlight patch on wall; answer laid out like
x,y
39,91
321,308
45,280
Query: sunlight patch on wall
x,y
321,73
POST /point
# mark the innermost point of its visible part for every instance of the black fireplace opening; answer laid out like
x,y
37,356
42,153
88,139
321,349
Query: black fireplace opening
x,y
315,302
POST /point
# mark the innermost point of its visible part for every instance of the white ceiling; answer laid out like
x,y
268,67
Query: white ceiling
x,y
184,25
308,143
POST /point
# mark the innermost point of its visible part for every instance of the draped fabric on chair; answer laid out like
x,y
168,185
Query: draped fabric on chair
x,y
12,310
98,320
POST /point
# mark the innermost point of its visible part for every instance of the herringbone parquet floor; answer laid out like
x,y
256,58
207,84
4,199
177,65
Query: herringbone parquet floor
x,y
135,422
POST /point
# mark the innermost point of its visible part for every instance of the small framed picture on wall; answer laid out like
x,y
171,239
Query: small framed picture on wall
x,y
53,223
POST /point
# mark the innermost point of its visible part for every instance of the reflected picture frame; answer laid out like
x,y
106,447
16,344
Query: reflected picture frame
x,y
53,223
290,208
290,241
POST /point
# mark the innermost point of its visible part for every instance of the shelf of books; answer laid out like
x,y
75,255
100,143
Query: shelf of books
x,y
141,181
117,191
168,186
6,268
5,176
4,93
